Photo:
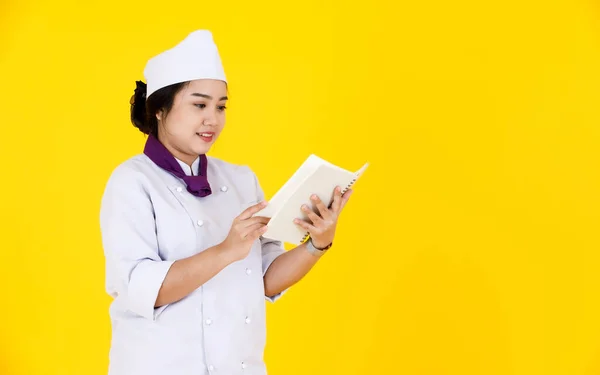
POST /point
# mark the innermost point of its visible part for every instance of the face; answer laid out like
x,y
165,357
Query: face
x,y
196,119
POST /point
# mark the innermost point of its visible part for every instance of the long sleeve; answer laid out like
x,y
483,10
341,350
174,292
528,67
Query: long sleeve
x,y
134,269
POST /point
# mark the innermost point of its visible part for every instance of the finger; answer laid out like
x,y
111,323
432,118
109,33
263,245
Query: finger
x,y
246,226
251,229
254,220
346,197
254,235
248,212
337,199
314,218
306,226
325,213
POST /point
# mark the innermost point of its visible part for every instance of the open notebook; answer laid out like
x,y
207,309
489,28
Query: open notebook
x,y
315,176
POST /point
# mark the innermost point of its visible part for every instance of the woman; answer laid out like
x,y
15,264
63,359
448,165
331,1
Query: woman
x,y
186,262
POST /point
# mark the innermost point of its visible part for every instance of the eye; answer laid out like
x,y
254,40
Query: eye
x,y
201,106
221,108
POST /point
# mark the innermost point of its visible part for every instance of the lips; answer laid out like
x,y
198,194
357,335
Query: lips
x,y
206,136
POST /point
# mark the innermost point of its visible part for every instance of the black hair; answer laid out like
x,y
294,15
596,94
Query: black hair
x,y
144,110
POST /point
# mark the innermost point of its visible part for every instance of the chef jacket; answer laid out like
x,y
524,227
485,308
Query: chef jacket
x,y
148,221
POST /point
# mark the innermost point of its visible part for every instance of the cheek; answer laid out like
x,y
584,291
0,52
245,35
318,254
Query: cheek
x,y
221,119
185,121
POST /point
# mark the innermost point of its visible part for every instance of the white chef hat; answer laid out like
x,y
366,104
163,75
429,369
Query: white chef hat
x,y
195,57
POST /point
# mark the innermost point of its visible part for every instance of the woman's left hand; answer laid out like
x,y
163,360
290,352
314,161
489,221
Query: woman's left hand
x,y
322,227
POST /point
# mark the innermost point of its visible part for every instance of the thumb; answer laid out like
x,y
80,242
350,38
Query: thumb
x,y
346,197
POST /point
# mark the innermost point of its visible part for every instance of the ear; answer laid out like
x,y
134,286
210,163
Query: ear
x,y
159,115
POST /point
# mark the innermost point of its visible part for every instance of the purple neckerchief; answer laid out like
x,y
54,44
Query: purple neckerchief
x,y
158,153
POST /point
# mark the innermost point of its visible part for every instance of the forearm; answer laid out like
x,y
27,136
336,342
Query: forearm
x,y
287,269
188,274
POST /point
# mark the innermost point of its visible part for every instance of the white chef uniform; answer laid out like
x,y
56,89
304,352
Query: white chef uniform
x,y
149,220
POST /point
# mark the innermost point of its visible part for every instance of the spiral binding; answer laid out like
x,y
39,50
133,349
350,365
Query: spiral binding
x,y
307,234
349,185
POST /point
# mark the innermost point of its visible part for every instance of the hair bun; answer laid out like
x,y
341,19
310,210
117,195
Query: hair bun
x,y
138,107
140,89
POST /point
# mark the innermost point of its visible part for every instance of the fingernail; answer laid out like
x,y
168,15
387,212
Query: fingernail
x,y
314,196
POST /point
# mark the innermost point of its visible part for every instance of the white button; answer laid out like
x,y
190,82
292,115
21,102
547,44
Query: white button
x,y
243,365
223,188
248,271
247,320
211,368
200,223
179,189
208,322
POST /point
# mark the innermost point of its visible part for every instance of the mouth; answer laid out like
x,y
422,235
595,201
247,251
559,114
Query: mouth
x,y
206,136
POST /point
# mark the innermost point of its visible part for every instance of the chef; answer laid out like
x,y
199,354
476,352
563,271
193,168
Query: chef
x,y
186,261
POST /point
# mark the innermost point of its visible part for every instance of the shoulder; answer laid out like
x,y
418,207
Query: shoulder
x,y
132,171
131,179
126,192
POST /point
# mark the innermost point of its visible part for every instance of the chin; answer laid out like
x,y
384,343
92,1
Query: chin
x,y
200,150
201,147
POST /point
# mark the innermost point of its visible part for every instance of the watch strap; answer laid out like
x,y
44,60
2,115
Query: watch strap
x,y
315,250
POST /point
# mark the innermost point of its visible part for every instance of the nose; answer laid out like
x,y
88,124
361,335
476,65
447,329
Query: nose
x,y
210,118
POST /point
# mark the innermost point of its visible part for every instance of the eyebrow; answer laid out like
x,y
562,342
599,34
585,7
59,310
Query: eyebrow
x,y
207,96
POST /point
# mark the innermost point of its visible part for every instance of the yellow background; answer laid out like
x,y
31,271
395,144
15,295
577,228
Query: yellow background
x,y
470,246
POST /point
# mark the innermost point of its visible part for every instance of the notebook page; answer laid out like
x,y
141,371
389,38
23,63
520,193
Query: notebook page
x,y
322,182
278,200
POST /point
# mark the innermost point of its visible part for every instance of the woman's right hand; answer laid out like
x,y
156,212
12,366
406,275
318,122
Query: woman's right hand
x,y
245,229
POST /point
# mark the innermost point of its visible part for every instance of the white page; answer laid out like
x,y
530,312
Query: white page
x,y
303,172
